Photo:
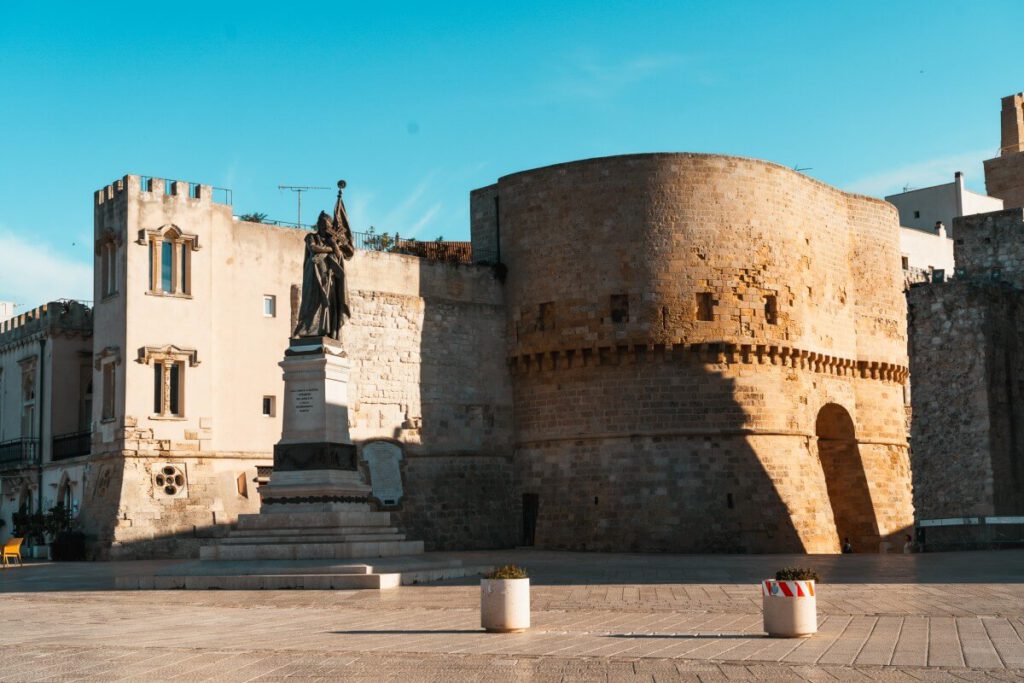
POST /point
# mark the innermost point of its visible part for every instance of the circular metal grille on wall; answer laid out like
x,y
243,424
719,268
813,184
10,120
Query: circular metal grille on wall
x,y
169,480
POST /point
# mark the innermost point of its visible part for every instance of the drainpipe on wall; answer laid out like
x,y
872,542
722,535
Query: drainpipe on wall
x,y
42,418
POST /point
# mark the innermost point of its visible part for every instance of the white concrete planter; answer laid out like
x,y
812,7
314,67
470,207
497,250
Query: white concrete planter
x,y
505,605
790,608
41,552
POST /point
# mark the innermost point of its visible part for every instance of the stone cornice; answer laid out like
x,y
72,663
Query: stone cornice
x,y
710,353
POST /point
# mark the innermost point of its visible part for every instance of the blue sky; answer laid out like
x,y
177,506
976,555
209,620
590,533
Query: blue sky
x,y
415,104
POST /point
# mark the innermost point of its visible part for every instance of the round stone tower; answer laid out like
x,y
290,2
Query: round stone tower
x,y
708,353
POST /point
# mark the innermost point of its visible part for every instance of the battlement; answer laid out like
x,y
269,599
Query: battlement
x,y
63,316
158,187
709,354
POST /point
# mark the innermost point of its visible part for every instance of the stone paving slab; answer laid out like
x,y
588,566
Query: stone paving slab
x,y
659,630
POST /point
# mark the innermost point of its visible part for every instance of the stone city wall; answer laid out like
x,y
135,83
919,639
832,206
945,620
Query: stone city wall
x,y
991,246
967,364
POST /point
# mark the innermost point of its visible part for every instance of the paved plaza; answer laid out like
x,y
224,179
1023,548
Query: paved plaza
x,y
604,617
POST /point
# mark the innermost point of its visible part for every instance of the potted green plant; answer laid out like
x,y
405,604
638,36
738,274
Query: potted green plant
x,y
66,544
789,602
35,536
505,600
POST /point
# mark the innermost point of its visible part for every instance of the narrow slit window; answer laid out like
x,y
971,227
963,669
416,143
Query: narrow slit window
x,y
183,269
174,390
546,316
771,309
620,308
108,391
166,266
705,307
158,388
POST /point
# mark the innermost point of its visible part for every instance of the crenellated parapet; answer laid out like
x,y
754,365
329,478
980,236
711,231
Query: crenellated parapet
x,y
708,354
182,190
56,317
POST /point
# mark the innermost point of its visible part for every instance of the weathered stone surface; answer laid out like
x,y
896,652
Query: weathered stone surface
x,y
967,365
676,325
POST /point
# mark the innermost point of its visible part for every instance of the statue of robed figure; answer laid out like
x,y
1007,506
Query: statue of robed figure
x,y
324,308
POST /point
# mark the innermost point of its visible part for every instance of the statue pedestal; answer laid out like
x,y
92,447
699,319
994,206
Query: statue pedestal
x,y
316,504
315,460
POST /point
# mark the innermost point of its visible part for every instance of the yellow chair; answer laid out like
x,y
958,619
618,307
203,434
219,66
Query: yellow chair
x,y
12,550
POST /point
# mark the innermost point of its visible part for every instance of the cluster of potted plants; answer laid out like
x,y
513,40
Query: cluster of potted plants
x,y
789,602
505,600
50,535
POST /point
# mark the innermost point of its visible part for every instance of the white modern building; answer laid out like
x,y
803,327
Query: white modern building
x,y
6,310
924,207
926,225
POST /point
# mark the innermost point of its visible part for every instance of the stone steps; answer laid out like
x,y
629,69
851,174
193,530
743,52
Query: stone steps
x,y
285,534
303,550
303,575
303,520
390,534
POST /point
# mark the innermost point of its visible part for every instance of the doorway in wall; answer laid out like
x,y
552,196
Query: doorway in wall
x,y
846,480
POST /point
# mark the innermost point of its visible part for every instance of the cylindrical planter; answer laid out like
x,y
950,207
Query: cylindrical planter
x,y
505,605
790,609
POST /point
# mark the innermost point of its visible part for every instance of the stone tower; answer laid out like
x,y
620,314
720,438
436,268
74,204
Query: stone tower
x,y
1004,175
708,354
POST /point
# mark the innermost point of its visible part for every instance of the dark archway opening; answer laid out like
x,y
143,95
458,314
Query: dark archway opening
x,y
845,479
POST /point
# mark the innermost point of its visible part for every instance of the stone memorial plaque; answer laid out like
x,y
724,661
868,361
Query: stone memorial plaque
x,y
302,399
383,458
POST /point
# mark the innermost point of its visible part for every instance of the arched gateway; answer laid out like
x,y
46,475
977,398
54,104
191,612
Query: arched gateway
x,y
845,479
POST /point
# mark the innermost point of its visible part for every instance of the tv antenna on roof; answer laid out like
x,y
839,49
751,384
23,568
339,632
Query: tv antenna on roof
x,y
801,169
298,190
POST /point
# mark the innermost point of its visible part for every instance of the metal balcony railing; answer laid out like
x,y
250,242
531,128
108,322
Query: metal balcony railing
x,y
71,445
19,453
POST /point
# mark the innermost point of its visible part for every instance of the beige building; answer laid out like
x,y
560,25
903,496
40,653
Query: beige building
x,y
45,408
193,312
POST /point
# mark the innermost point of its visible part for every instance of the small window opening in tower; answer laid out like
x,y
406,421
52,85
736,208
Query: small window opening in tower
x,y
705,306
546,316
620,308
771,309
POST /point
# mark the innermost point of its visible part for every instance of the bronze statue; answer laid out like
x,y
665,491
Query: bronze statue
x,y
324,308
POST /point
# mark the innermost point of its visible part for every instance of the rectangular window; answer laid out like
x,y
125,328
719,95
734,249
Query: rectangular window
x,y
269,306
158,388
183,269
105,270
705,306
905,261
771,309
174,399
108,391
170,263
111,269
268,406
620,308
166,266
917,214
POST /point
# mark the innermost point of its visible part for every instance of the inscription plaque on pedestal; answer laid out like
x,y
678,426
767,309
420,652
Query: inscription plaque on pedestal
x,y
383,458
